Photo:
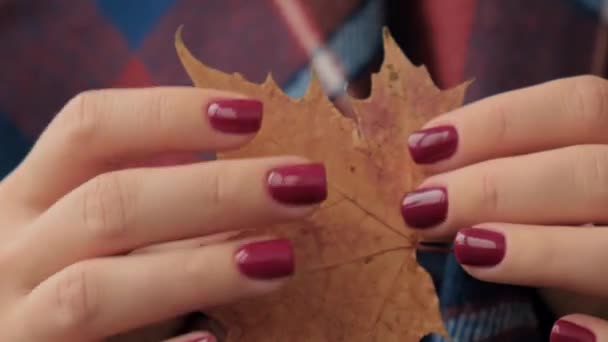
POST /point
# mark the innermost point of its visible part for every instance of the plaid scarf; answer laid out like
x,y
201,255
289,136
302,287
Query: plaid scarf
x,y
53,49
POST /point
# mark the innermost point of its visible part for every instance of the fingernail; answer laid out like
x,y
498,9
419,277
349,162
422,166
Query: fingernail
x,y
425,208
266,259
241,116
433,144
206,338
298,184
564,331
479,247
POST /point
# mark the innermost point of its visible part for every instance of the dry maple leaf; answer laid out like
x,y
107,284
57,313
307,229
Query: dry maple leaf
x,y
357,277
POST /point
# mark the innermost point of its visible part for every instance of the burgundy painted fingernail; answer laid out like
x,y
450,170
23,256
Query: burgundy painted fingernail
x,y
266,259
433,144
479,247
425,208
564,331
298,184
241,116
206,338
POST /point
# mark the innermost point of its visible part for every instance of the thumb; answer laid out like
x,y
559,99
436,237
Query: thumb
x,y
197,336
579,328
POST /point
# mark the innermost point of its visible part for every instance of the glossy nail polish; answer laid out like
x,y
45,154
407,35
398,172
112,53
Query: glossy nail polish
x,y
205,338
431,145
298,184
425,208
479,247
266,259
564,331
239,116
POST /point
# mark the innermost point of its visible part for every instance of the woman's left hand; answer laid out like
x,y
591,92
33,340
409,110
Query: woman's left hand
x,y
516,179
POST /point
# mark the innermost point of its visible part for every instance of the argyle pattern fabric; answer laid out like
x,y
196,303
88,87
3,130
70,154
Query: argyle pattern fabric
x,y
53,49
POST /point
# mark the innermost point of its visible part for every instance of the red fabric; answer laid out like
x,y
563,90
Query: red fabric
x,y
449,25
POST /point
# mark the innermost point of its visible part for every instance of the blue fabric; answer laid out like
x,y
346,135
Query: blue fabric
x,y
134,18
19,146
593,5
356,42
478,311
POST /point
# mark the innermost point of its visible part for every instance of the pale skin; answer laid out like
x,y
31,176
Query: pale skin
x,y
94,249
90,235
532,164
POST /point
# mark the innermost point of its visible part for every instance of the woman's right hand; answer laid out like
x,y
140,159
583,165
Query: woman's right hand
x,y
95,241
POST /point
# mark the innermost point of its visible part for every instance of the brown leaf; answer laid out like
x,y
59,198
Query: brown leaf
x,y
357,277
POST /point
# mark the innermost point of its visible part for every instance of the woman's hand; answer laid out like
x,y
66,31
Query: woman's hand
x,y
516,176
97,238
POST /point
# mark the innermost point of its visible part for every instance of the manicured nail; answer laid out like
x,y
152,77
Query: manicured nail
x,y
241,116
206,338
298,184
425,208
266,259
430,145
564,331
479,247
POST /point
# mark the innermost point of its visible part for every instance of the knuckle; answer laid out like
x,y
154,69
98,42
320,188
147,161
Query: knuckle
x,y
216,191
76,297
159,108
189,267
591,174
106,203
9,252
157,114
501,122
7,256
588,98
81,117
489,194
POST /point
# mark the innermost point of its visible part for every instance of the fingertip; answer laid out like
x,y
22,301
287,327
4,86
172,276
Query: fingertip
x,y
425,208
579,328
195,336
266,259
434,144
479,247
437,145
295,186
229,120
240,116
481,252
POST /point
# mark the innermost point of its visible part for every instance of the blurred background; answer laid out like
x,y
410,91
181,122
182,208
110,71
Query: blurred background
x,y
53,49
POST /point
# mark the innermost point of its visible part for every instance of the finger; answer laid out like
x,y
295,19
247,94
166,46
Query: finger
x,y
186,243
579,328
102,297
136,208
567,186
555,114
197,336
99,130
538,256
